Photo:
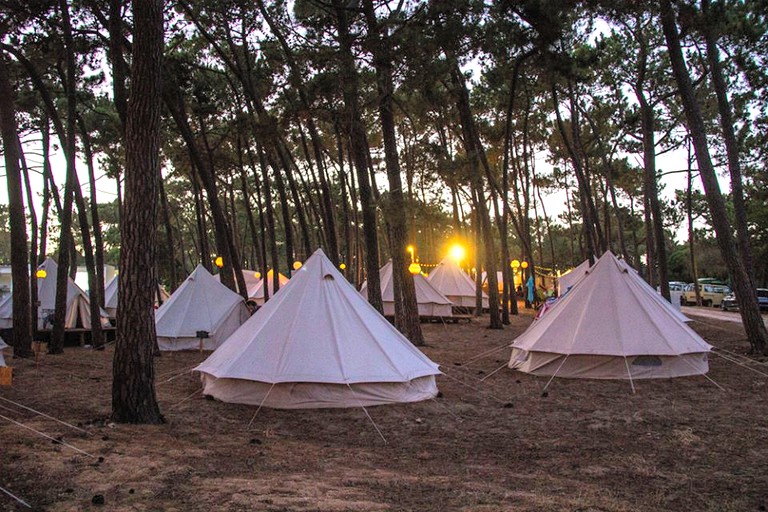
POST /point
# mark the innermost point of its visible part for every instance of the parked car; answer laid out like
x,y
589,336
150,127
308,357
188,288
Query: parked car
x,y
730,303
712,295
677,286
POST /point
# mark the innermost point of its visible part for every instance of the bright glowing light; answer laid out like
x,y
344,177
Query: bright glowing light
x,y
410,250
41,273
257,275
524,264
296,265
343,266
457,253
515,264
414,268
219,261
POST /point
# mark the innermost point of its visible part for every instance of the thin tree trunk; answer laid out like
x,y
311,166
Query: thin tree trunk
x,y
407,312
22,318
742,284
359,154
56,345
731,144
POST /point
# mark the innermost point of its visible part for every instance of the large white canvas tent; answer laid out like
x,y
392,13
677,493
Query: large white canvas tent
x,y
429,301
201,303
455,284
111,294
610,326
78,313
258,292
3,346
318,344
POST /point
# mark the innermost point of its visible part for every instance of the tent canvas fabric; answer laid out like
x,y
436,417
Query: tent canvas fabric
x,y
6,312
3,345
575,276
610,326
455,284
252,282
318,344
78,312
430,302
111,294
570,278
200,304
258,291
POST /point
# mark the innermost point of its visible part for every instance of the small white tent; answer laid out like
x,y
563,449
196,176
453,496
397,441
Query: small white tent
x,y
111,294
429,301
318,344
573,276
252,283
455,284
3,345
6,312
78,312
610,326
258,291
200,304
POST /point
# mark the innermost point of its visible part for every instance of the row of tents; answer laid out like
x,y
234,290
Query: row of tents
x,y
319,343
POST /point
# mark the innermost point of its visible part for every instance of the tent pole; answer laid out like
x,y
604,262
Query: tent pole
x,y
706,376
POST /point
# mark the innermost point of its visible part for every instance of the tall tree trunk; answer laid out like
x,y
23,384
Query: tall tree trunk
x,y
742,284
133,390
729,137
98,238
33,227
171,247
476,156
174,100
22,319
56,345
359,147
651,190
407,312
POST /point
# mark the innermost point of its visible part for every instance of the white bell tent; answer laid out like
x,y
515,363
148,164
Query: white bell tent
x,y
78,313
431,303
252,282
568,280
258,291
201,303
111,294
455,284
611,325
6,312
3,345
318,344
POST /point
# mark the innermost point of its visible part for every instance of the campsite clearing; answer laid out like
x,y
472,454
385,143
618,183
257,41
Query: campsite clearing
x,y
679,444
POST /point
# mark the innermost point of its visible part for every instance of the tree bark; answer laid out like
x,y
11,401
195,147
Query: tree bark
x,y
359,147
729,137
133,391
22,319
742,284
407,312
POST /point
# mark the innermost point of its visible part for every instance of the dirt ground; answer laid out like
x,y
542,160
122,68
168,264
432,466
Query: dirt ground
x,y
492,445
